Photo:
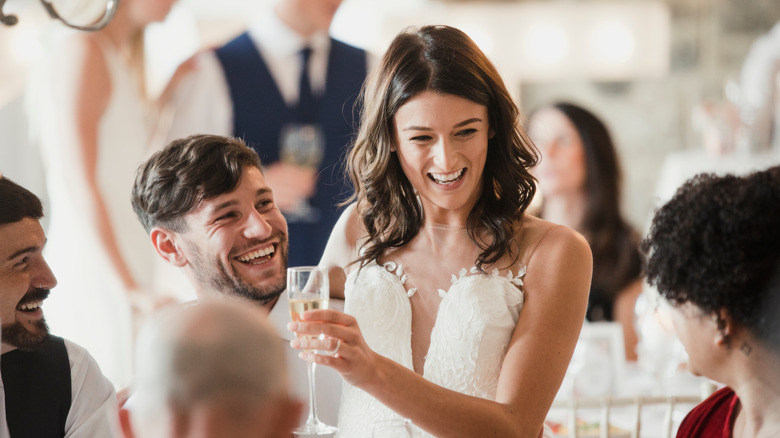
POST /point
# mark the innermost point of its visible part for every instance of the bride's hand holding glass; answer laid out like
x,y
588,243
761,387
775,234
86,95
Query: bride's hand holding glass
x,y
307,288
332,338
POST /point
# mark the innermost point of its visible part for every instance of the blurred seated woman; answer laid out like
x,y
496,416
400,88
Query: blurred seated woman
x,y
579,179
714,255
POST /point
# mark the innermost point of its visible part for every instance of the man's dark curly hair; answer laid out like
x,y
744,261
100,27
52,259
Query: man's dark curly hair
x,y
716,244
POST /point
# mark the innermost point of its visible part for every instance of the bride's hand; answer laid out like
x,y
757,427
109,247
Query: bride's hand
x,y
346,350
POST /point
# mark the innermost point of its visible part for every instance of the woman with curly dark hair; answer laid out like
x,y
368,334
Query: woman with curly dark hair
x,y
580,180
714,255
462,312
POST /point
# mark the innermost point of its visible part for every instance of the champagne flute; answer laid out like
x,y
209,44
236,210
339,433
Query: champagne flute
x,y
394,428
302,145
308,289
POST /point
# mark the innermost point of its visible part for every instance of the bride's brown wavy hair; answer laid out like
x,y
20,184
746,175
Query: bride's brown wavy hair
x,y
444,60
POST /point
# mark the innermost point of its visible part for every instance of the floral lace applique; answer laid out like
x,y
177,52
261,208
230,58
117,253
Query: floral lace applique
x,y
398,270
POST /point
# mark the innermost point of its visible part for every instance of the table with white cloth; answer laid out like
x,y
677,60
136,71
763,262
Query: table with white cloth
x,y
599,375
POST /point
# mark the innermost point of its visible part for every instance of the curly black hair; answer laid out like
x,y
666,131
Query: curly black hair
x,y
716,244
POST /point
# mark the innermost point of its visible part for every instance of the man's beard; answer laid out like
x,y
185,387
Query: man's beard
x,y
225,279
17,335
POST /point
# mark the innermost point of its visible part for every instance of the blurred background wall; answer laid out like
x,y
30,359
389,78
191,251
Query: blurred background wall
x,y
646,67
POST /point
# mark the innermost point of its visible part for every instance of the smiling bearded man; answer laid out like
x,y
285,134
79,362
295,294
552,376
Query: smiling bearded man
x,y
208,210
51,386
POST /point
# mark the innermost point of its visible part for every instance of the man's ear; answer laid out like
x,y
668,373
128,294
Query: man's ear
x,y
165,242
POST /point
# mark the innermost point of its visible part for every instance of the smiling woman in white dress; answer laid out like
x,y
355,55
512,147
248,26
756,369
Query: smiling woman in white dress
x,y
462,312
91,122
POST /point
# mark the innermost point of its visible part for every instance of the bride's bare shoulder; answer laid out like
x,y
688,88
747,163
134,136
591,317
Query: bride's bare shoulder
x,y
342,247
535,234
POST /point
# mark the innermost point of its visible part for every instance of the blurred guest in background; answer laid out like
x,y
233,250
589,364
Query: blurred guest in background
x,y
90,116
580,180
212,369
288,90
759,93
714,253
50,386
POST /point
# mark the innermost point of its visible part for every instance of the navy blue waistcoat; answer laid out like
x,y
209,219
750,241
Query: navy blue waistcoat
x,y
260,112
37,389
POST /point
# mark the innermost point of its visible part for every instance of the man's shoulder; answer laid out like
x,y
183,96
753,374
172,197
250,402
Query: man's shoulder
x,y
75,351
83,367
240,42
347,48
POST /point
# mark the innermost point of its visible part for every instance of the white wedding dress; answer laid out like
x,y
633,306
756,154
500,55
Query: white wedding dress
x,y
475,321
89,306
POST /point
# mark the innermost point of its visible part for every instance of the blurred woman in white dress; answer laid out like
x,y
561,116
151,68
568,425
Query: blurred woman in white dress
x,y
90,116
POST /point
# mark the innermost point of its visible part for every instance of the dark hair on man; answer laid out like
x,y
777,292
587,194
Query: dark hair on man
x,y
443,60
716,244
17,203
187,171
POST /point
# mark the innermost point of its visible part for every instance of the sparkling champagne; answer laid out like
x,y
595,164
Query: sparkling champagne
x,y
298,306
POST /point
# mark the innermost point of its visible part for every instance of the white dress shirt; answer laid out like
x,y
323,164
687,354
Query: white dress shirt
x,y
93,400
201,103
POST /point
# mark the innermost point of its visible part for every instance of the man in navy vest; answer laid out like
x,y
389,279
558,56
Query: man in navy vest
x,y
288,90
51,387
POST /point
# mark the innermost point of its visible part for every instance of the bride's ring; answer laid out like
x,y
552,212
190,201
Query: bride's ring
x,y
336,350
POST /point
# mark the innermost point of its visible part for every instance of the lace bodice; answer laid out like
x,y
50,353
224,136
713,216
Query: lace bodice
x,y
474,323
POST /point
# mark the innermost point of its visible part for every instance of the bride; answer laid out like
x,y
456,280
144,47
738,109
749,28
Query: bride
x,y
462,312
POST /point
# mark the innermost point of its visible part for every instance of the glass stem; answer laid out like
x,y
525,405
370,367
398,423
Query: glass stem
x,y
312,394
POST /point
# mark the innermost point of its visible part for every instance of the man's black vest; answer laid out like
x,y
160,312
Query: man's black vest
x,y
37,390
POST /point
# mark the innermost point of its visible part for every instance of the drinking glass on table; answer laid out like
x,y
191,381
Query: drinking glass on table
x,y
308,289
394,428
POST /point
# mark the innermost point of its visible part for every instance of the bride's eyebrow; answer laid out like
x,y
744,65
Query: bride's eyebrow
x,y
417,128
468,122
457,125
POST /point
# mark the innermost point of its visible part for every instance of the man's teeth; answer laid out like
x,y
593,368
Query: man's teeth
x,y
445,178
262,252
31,305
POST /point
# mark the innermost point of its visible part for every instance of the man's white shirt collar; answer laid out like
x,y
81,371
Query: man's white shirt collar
x,y
278,40
280,316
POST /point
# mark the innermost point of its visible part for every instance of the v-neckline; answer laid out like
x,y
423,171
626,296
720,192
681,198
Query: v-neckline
x,y
397,271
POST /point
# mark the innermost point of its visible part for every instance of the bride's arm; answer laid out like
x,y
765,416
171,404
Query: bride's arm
x,y
82,92
341,250
556,289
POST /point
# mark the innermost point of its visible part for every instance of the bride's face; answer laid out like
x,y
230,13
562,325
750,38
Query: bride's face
x,y
442,142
